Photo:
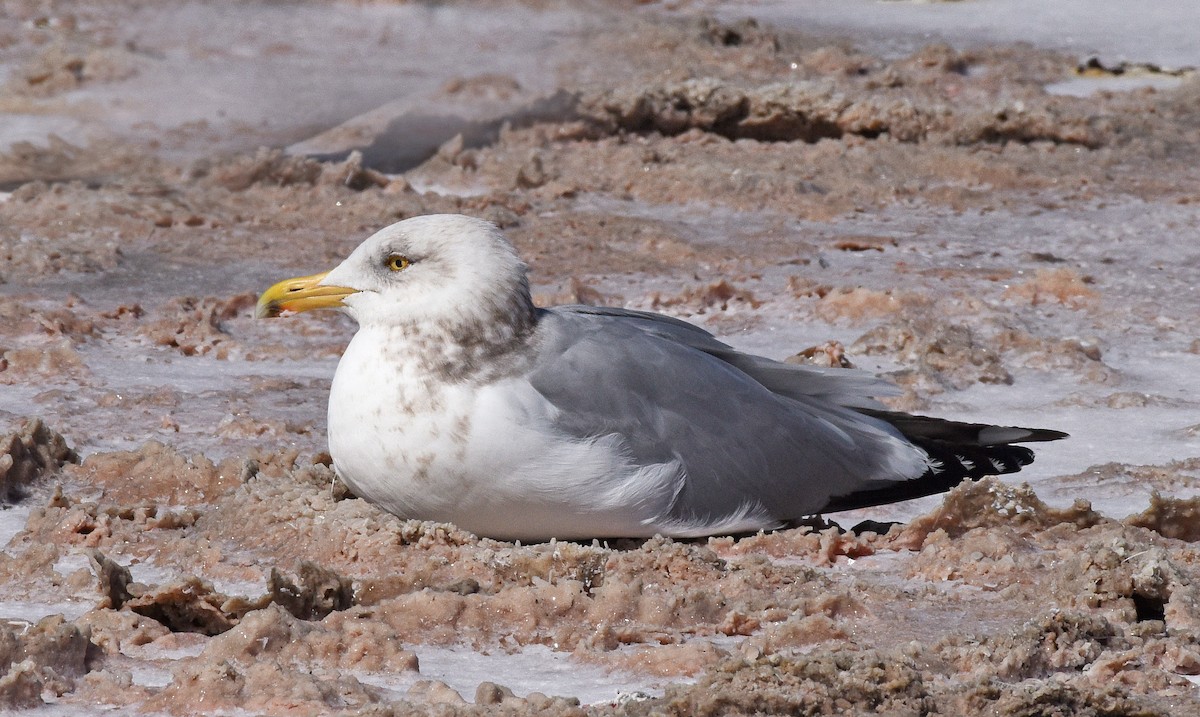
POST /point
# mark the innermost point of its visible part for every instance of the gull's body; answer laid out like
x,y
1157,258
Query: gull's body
x,y
458,401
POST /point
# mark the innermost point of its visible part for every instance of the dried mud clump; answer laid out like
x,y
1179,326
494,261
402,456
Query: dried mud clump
x,y
941,356
1057,642
272,167
718,296
742,32
824,682
1042,668
43,340
194,326
65,520
188,605
808,111
1171,517
114,631
831,354
59,68
35,166
273,663
55,359
317,592
294,514
267,166
265,686
1061,286
1131,580
156,472
29,453
24,255
992,503
577,291
821,544
45,659
1082,357
1048,697
856,304
352,174
113,580
346,644
33,320
193,605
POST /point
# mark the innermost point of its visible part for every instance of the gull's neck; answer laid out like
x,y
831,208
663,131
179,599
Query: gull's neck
x,y
483,342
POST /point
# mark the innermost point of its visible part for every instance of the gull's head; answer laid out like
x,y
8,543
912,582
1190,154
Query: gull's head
x,y
450,269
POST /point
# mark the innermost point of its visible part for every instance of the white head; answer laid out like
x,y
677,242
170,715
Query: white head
x,y
446,270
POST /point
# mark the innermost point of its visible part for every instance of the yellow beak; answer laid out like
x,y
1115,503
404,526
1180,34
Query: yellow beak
x,y
300,294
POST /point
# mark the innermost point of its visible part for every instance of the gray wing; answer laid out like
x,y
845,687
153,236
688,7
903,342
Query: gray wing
x,y
851,388
754,436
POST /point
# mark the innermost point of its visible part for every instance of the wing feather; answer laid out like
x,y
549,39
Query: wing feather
x,y
768,443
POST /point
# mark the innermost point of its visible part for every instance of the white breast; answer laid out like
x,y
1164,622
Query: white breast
x,y
485,457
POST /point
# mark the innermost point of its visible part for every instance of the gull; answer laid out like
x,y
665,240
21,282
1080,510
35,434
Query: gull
x,y
459,401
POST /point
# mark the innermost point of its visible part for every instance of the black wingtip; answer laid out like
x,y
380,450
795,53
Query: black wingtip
x,y
957,452
917,428
1003,435
1046,434
949,465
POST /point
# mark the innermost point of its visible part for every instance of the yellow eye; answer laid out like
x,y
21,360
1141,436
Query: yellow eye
x,y
398,262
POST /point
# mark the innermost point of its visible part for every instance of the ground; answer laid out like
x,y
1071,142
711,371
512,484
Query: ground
x,y
176,540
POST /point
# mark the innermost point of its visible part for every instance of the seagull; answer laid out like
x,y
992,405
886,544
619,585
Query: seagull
x,y
459,401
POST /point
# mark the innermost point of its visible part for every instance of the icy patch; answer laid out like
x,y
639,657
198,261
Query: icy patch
x,y
37,129
1160,32
443,190
246,588
12,521
150,676
150,574
153,652
71,563
1086,86
29,612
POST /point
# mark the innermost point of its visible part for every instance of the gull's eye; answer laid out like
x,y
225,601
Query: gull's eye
x,y
397,262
